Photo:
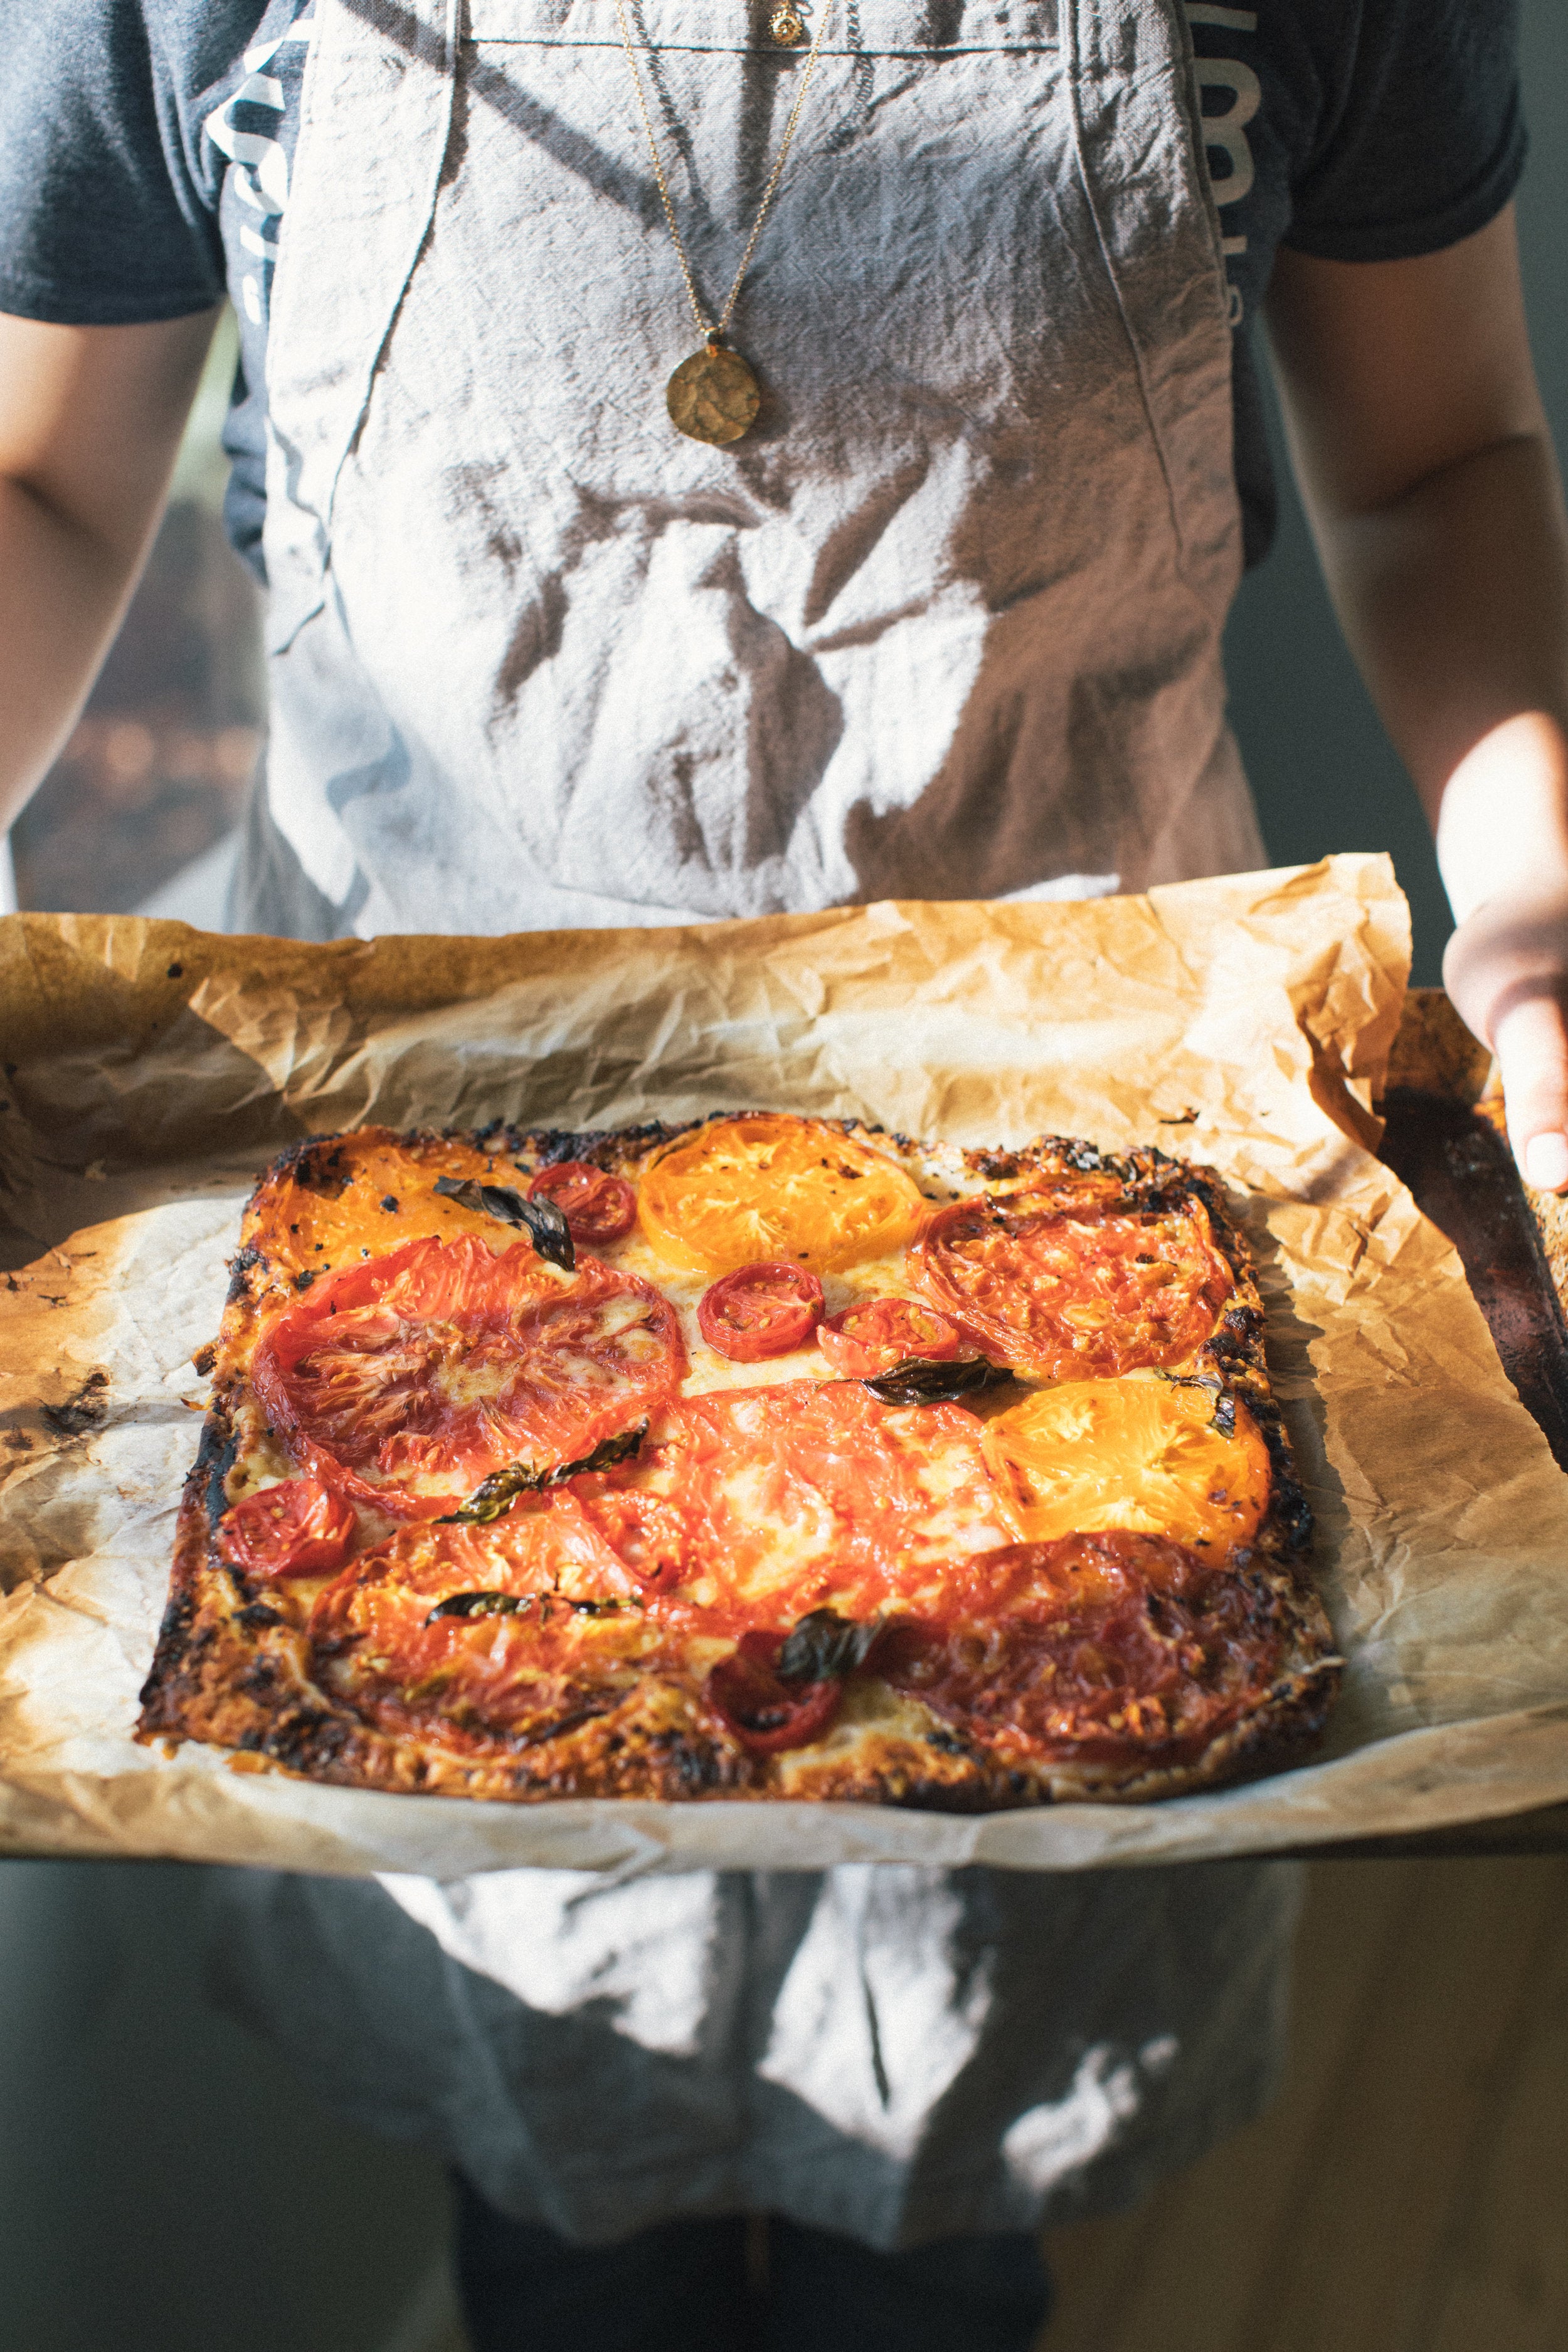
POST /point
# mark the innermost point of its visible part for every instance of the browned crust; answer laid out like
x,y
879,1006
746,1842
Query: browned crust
x,y
229,1671
1433,1050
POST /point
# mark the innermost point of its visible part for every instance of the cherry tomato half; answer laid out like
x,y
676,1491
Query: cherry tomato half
x,y
765,1712
760,1310
597,1207
874,1334
297,1527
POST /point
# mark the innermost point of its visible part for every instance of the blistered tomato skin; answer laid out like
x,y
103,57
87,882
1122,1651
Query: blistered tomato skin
x,y
1086,1295
868,1339
561,1639
408,1379
598,1208
297,1527
766,1714
760,1311
1097,1649
648,1535
770,1502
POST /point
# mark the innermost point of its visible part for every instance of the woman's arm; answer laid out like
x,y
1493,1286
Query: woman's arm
x,y
1427,471
90,419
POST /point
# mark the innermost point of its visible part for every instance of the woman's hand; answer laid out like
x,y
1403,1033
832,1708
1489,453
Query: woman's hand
x,y
1506,969
1502,845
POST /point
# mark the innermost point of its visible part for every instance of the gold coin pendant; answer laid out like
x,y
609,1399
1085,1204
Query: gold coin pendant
x,y
713,396
786,27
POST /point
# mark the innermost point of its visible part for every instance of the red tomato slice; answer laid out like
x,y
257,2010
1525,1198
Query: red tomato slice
x,y
408,1379
760,1310
597,1207
765,1712
1097,1648
648,1535
875,1334
296,1528
1082,1294
762,1504
529,1662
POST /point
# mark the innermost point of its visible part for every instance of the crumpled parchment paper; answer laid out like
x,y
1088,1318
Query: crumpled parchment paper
x,y
152,1071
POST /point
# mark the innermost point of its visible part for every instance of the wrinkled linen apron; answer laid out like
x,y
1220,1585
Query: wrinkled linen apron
x,y
946,624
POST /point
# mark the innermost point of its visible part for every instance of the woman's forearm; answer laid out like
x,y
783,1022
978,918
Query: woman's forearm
x,y
1455,603
1455,600
90,420
1428,475
62,595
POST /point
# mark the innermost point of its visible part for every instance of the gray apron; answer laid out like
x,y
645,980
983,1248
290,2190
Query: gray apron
x,y
948,624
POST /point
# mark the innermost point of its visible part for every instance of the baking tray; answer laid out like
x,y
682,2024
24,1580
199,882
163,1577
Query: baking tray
x,y
1444,1138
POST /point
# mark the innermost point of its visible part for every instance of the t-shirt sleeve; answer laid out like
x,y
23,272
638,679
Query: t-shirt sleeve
x,y
1423,137
102,220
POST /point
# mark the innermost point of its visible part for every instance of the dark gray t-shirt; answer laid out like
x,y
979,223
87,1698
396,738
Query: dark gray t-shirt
x,y
145,148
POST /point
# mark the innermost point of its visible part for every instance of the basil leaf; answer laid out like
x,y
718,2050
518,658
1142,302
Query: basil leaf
x,y
1223,1415
825,1647
508,1604
498,1494
605,1454
918,1380
480,1604
541,1221
503,1487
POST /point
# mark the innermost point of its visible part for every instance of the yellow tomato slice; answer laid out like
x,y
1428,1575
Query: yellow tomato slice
x,y
765,1186
1136,1454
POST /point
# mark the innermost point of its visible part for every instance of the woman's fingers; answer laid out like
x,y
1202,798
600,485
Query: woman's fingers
x,y
1530,1042
1506,972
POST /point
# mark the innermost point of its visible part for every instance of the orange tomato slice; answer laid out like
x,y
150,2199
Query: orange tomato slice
x,y
1138,1454
768,1186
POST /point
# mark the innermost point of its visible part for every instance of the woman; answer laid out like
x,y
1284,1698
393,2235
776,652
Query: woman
x,y
944,620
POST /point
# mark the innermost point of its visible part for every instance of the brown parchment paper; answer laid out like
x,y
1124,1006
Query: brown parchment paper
x,y
150,1071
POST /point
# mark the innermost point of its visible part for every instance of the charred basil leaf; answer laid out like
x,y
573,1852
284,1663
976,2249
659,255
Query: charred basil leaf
x,y
541,1221
825,1647
480,1604
503,1487
498,1494
1224,1414
514,1604
605,1456
918,1380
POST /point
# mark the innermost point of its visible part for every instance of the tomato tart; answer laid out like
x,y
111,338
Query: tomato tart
x,y
768,1457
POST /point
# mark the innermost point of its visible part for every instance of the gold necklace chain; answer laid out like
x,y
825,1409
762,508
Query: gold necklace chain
x,y
713,396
